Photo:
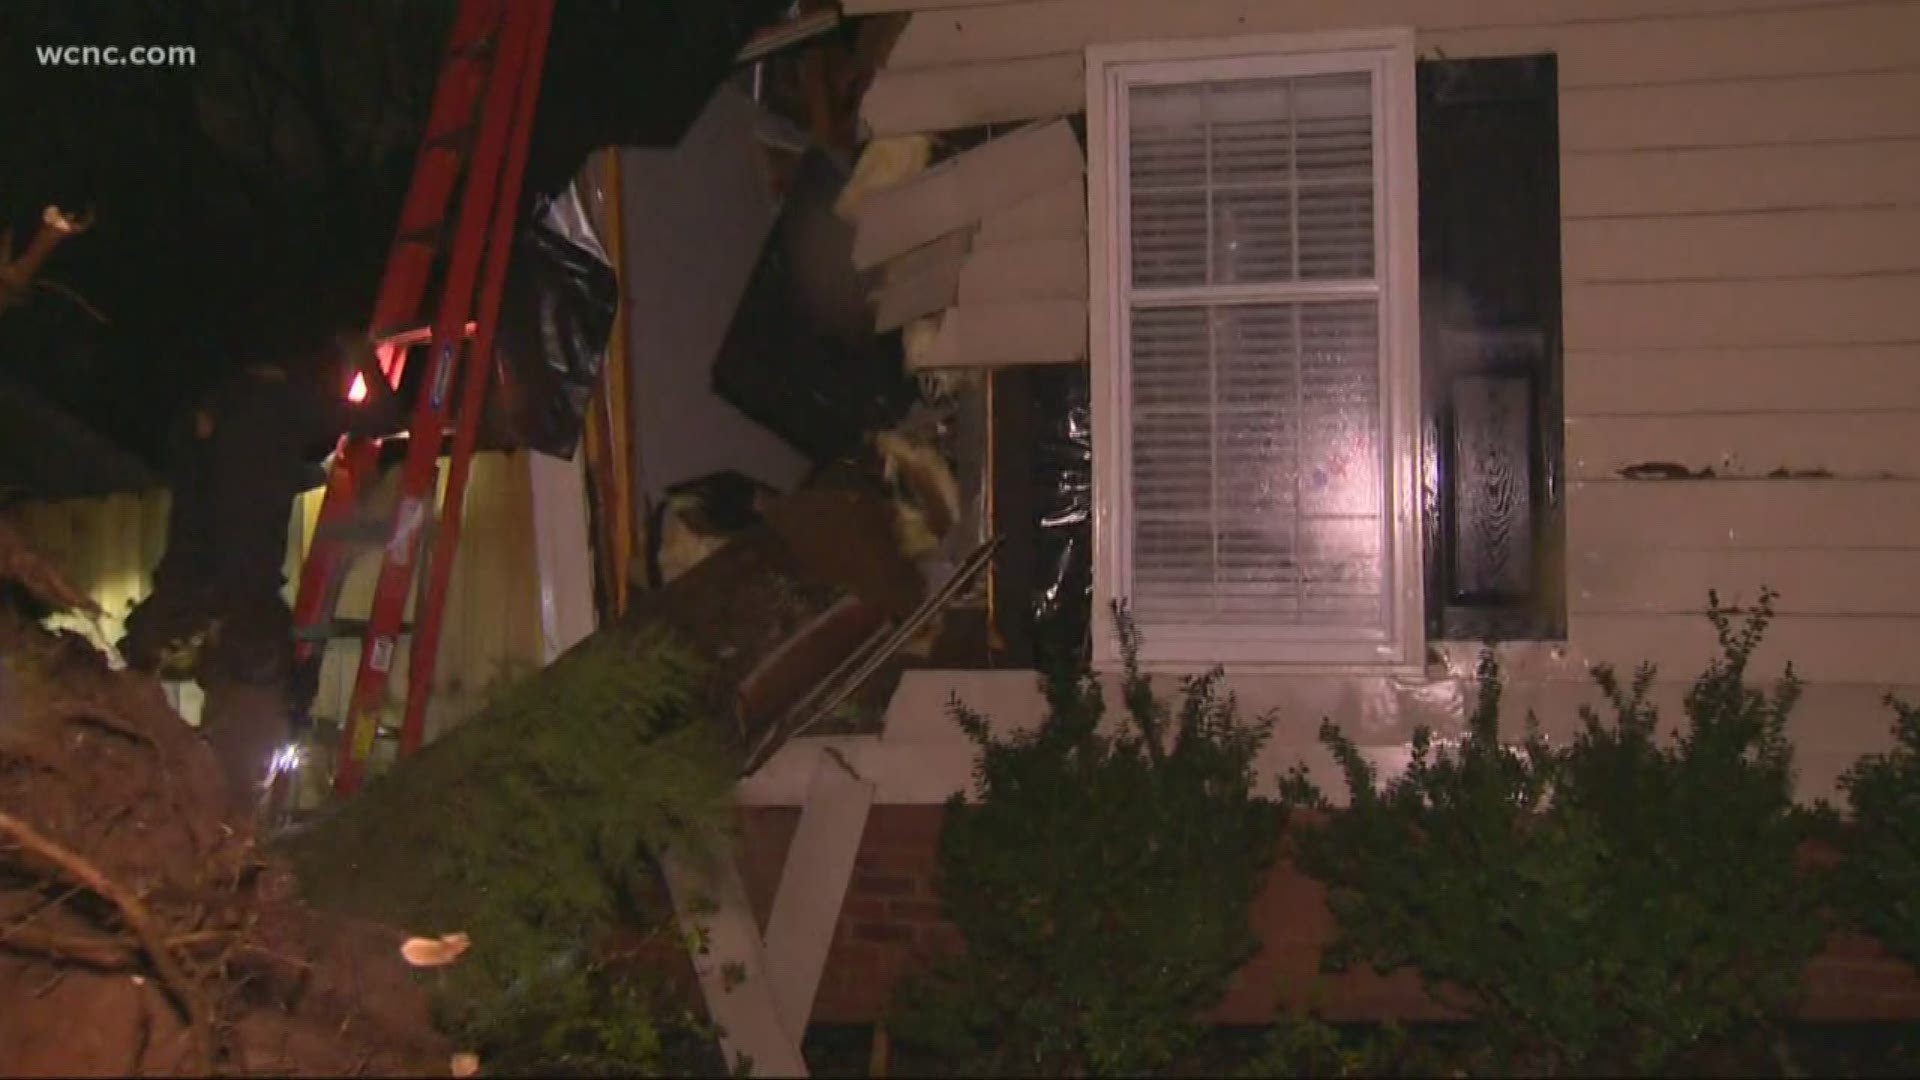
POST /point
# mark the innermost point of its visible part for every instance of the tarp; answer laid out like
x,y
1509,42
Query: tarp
x,y
556,315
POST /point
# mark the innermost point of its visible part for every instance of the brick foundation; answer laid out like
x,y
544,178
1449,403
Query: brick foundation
x,y
890,923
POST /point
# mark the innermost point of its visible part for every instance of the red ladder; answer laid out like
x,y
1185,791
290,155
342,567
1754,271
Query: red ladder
x,y
476,139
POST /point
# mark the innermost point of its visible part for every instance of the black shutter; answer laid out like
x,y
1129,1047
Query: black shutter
x,y
1493,496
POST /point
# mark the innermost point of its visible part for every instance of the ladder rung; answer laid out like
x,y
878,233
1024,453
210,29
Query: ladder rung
x,y
417,335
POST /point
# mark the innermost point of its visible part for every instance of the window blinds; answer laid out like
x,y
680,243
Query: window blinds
x,y
1254,371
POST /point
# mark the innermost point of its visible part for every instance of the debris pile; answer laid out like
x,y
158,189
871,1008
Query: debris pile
x,y
140,931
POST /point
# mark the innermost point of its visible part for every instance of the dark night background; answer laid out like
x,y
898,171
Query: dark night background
x,y
244,204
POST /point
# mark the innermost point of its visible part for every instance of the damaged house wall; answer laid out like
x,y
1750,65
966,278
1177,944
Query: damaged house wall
x,y
1738,250
1739,236
695,219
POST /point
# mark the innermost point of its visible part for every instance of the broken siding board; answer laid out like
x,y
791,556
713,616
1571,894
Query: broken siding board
x,y
1724,179
1750,245
1697,381
1828,108
941,99
1002,31
1041,269
1007,333
1699,314
1859,445
961,190
1060,210
906,296
1870,581
1718,514
946,253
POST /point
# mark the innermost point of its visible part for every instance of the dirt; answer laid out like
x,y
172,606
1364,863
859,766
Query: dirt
x,y
142,930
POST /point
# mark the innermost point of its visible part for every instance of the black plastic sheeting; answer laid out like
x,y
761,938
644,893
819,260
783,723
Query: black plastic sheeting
x,y
556,316
632,73
801,358
1062,600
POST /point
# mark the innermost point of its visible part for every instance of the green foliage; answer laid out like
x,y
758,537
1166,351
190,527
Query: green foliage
x,y
1602,907
1305,1046
533,827
1877,884
1101,882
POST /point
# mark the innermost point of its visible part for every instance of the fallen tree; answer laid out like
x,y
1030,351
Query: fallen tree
x,y
535,827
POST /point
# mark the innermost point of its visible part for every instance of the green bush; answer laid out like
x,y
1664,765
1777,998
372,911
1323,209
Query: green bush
x,y
1101,882
1877,884
1607,906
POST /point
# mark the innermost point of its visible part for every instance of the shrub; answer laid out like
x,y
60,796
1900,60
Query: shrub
x,y
1101,883
1606,906
1877,884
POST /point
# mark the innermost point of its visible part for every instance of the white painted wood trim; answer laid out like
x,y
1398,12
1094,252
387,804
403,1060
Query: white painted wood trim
x,y
747,1013
1111,70
813,885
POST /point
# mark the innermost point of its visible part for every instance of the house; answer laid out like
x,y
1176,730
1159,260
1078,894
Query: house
x,y
1340,338
1405,326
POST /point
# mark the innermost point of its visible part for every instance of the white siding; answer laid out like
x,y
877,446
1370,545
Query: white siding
x,y
1740,192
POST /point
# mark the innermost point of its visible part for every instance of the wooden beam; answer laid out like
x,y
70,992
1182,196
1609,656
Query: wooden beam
x,y
1006,333
961,190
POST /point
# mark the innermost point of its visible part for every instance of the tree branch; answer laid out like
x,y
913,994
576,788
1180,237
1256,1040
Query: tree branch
x,y
138,919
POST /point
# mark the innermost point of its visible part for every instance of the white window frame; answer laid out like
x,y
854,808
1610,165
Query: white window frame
x,y
1398,645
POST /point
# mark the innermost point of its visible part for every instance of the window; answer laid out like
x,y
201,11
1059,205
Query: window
x,y
1255,328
